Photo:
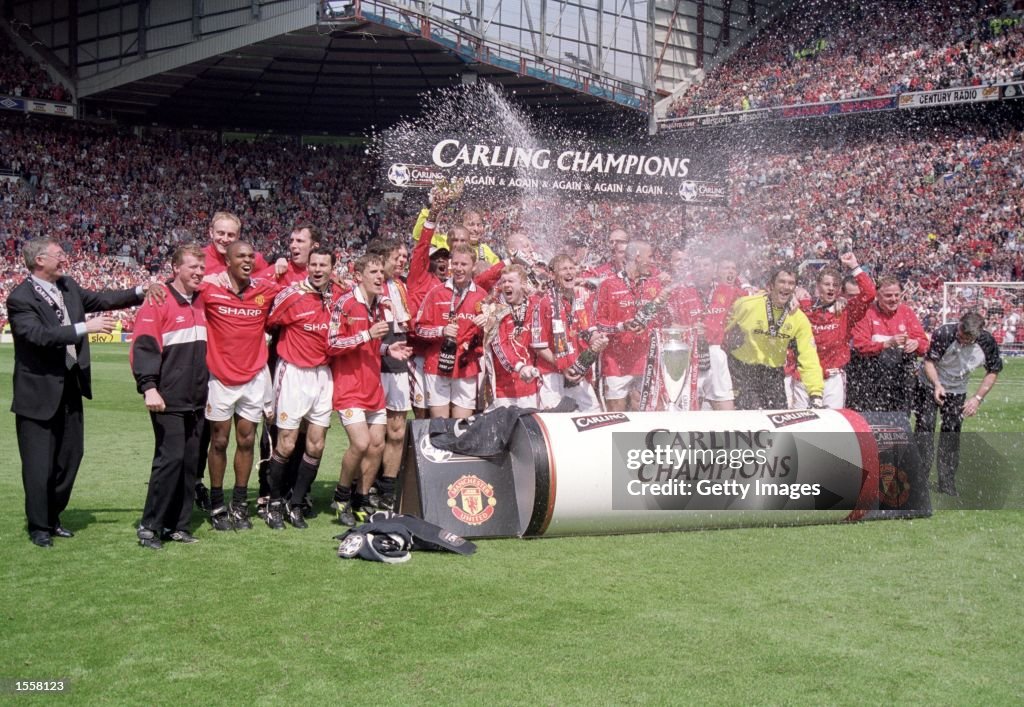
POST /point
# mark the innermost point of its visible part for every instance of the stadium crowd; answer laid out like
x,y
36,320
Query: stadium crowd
x,y
22,77
939,206
835,50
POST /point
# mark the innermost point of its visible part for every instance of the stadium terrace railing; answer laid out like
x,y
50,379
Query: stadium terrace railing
x,y
903,101
474,48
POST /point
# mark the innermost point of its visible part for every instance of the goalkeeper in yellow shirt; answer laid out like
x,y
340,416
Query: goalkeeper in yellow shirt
x,y
473,222
760,330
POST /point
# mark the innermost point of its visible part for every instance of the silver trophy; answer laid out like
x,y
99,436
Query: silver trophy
x,y
676,352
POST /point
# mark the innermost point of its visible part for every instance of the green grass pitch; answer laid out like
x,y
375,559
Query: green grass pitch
x,y
925,611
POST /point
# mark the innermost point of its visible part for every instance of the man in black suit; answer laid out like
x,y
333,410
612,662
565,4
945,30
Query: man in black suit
x,y
51,374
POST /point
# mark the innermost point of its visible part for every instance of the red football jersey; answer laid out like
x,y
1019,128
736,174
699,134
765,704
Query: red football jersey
x,y
437,307
684,306
574,318
355,357
236,325
511,347
304,316
833,330
872,333
716,304
294,273
619,298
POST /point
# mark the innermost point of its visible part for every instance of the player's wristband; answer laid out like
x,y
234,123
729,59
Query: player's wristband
x,y
979,399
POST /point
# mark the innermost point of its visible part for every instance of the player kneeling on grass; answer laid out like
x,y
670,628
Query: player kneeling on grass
x,y
302,383
168,359
359,322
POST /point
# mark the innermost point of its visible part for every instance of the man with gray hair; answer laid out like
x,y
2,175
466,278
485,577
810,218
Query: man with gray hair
x,y
52,375
955,351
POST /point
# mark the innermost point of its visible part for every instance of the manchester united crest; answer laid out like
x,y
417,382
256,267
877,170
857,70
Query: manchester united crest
x,y
472,500
894,486
259,300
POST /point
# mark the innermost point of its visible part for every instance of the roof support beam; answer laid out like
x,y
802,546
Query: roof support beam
x,y
230,40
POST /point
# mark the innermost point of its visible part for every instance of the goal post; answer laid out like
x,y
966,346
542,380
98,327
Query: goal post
x,y
1001,303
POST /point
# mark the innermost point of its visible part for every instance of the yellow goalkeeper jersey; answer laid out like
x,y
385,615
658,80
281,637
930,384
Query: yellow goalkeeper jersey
x,y
440,240
759,342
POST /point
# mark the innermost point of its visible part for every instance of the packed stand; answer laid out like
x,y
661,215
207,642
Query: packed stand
x,y
162,188
941,206
22,77
833,51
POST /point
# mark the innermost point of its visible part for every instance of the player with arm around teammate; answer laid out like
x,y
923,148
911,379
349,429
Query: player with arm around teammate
x,y
359,323
302,385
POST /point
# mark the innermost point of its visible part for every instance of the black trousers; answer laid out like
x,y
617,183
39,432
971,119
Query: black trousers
x,y
758,387
949,434
51,452
172,480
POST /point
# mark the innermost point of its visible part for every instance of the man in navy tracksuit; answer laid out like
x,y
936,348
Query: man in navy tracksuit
x,y
168,359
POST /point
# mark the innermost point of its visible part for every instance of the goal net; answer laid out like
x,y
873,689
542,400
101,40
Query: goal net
x,y
1001,303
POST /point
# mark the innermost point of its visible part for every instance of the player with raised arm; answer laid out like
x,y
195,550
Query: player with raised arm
x,y
832,321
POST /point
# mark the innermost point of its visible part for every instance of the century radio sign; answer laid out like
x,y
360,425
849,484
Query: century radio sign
x,y
974,94
653,173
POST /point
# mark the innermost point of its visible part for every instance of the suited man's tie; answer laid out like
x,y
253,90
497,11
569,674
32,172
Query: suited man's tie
x,y
70,353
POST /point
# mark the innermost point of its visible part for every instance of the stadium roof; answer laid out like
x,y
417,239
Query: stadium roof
x,y
338,81
340,67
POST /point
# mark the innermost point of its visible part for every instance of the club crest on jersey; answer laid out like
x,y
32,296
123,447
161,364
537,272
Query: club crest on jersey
x,y
472,500
258,300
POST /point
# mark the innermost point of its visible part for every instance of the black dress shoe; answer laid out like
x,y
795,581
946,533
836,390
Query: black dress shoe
x,y
147,538
41,538
61,532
